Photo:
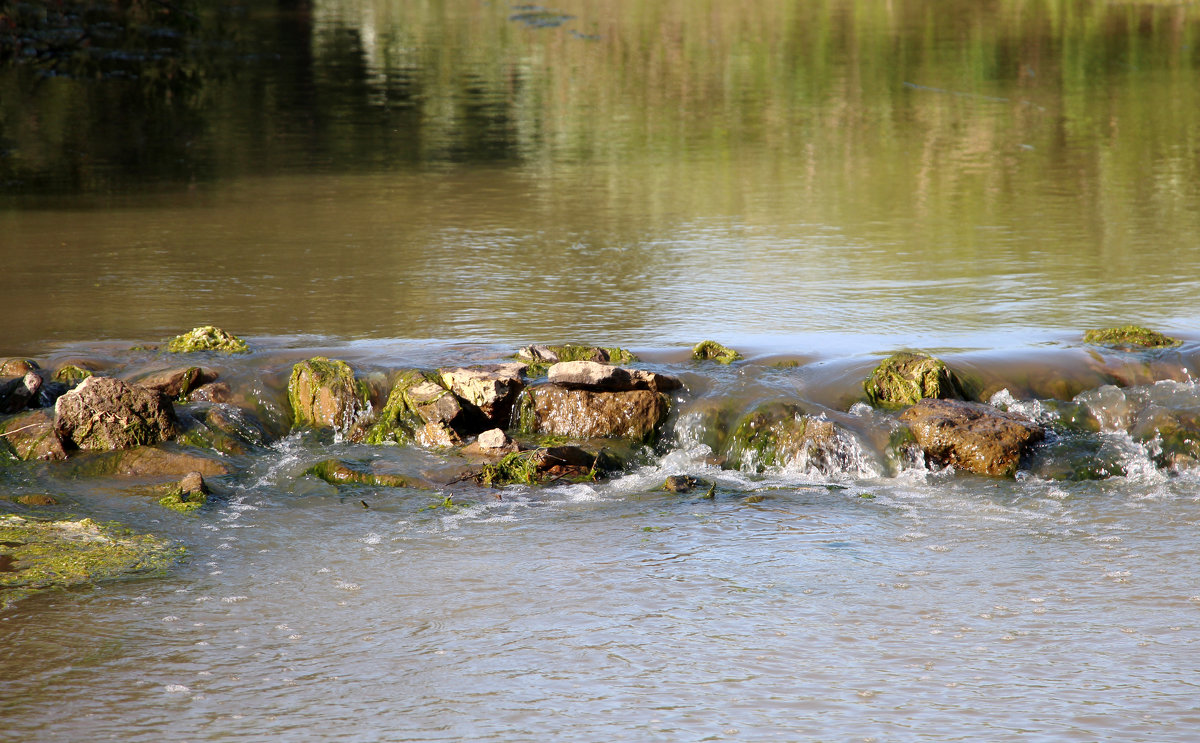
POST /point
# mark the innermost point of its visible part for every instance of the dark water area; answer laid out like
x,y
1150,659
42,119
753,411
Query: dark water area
x,y
426,184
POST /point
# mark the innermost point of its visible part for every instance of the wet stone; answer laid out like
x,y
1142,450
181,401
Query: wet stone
x,y
971,436
104,413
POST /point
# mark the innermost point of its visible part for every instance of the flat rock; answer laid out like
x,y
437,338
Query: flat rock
x,y
103,413
150,463
33,435
596,376
177,382
971,436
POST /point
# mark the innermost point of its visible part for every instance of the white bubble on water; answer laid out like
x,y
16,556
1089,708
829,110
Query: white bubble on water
x,y
176,688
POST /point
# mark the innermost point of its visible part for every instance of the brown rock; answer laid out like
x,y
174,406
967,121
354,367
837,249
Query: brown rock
x,y
17,367
176,383
149,462
489,390
33,435
104,413
582,413
193,482
37,499
971,436
325,394
212,392
596,376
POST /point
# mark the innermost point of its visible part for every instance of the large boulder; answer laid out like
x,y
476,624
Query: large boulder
x,y
104,413
325,394
904,378
596,376
488,391
32,435
587,413
971,436
420,409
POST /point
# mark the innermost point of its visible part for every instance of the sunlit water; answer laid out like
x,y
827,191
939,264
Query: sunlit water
x,y
423,184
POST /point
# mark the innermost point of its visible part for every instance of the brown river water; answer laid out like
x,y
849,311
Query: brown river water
x,y
421,184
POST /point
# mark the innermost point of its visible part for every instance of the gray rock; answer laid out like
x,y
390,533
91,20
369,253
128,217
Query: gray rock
x,y
490,391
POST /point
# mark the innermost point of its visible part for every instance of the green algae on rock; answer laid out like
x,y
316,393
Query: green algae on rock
x,y
72,374
542,465
207,338
1130,337
419,409
336,472
104,413
713,351
43,555
775,434
325,394
32,435
541,358
906,378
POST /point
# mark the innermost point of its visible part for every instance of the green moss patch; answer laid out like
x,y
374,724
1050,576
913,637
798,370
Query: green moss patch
x,y
713,351
39,555
1130,337
177,500
207,338
399,420
904,379
338,473
574,352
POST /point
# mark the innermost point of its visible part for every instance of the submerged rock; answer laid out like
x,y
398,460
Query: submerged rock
x,y
73,374
207,338
540,466
419,409
680,484
713,351
103,413
336,472
490,391
32,435
146,462
177,383
585,413
324,394
597,376
38,555
905,378
971,436
17,367
186,496
781,434
1130,338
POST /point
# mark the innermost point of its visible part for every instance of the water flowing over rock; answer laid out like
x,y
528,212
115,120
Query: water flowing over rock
x,y
32,435
904,378
490,391
325,394
540,358
597,376
103,413
971,436
586,413
147,462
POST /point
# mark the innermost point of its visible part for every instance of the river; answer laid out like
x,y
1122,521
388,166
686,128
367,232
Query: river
x,y
432,183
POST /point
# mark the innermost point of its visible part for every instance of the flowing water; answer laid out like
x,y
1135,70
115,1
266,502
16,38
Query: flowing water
x,y
428,183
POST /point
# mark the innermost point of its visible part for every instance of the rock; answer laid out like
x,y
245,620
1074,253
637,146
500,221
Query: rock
x,y
541,358
33,435
781,434
419,409
188,495
540,465
582,413
971,436
104,413
238,423
147,463
680,484
177,383
713,351
489,391
37,555
596,376
73,374
1130,338
17,394
193,482
207,338
325,394
37,499
338,473
493,439
904,378
212,392
17,367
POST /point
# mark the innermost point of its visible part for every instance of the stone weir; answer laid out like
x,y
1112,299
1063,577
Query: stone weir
x,y
182,421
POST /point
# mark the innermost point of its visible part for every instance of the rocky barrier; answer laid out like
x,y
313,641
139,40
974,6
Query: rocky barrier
x,y
179,420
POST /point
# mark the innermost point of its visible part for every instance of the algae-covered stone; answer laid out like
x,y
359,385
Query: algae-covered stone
x,y
541,358
971,436
186,496
778,434
32,435
419,409
325,394
104,413
545,464
38,555
72,374
583,413
905,378
207,338
713,351
1129,337
339,473
177,383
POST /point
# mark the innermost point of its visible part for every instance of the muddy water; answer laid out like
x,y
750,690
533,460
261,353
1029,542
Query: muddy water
x,y
413,184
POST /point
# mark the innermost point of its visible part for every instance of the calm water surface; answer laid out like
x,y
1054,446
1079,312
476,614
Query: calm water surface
x,y
419,183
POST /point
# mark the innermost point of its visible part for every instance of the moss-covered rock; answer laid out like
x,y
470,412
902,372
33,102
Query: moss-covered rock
x,y
325,394
38,555
72,374
542,465
32,435
541,358
778,434
149,463
421,410
207,338
177,383
185,496
905,378
103,413
1129,337
713,351
337,472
